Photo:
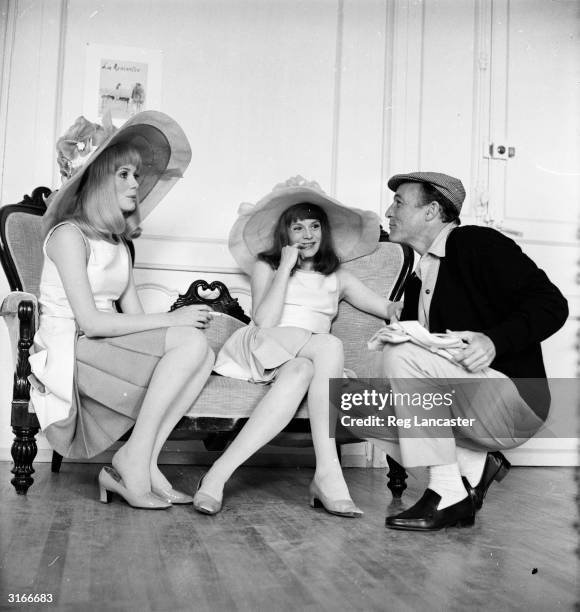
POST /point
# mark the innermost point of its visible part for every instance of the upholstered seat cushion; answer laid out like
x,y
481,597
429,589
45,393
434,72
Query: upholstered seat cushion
x,y
224,397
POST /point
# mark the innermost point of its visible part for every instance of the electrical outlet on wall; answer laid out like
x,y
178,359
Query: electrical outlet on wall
x,y
495,151
498,151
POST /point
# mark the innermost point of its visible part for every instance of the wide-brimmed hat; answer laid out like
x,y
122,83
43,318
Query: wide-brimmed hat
x,y
165,154
448,186
355,232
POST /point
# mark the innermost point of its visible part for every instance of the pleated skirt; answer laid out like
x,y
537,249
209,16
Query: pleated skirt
x,y
257,353
109,384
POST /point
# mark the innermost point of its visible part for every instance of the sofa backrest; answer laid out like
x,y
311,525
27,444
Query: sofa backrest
x,y
383,271
21,241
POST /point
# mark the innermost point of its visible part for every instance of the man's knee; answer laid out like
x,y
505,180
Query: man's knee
x,y
400,360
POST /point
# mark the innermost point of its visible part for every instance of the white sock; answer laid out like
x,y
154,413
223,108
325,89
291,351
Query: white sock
x,y
471,464
445,480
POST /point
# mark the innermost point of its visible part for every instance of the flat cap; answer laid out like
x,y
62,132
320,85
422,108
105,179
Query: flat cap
x,y
448,186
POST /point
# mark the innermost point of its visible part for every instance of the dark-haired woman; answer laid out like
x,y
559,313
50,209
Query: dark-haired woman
x,y
288,242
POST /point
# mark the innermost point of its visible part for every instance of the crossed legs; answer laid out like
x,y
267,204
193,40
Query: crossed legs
x,y
176,381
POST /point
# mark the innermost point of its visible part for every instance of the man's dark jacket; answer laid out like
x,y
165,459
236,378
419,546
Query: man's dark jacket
x,y
487,284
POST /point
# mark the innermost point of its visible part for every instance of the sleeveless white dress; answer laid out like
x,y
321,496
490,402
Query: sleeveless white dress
x,y
78,384
256,353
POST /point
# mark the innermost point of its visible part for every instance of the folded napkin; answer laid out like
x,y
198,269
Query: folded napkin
x,y
446,345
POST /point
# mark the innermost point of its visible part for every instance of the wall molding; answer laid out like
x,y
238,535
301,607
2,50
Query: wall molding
x,y
481,98
522,456
202,268
548,243
404,77
7,37
59,83
386,153
173,293
172,238
338,61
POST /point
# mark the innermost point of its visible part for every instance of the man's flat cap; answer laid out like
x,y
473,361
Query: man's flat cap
x,y
448,186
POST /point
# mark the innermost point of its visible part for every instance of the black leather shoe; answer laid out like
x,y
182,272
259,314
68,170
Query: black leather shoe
x,y
496,468
424,516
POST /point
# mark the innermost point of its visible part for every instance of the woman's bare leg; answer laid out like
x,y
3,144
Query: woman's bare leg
x,y
326,353
171,376
201,359
269,418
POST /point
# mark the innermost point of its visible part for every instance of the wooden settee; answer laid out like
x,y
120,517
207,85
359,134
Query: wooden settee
x,y
224,404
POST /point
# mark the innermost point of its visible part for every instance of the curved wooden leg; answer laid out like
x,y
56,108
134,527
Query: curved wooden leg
x,y
397,476
24,423
23,454
56,462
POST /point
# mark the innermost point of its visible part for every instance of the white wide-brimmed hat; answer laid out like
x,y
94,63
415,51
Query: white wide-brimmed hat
x,y
165,154
355,232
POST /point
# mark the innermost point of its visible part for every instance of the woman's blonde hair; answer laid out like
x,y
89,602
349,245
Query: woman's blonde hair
x,y
97,210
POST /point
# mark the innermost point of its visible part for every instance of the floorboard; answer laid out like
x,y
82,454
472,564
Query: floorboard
x,y
268,550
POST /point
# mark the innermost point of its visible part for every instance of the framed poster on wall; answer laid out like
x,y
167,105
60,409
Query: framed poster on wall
x,y
123,80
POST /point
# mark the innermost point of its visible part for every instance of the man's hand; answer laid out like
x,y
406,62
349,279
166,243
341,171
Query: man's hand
x,y
479,353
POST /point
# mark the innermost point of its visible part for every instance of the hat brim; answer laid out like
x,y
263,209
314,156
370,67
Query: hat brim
x,y
165,154
355,232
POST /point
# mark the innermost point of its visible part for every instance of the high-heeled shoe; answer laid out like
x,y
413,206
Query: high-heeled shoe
x,y
110,482
172,496
204,503
496,468
340,507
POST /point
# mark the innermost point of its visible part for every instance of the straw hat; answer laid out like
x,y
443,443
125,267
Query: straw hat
x,y
355,232
164,151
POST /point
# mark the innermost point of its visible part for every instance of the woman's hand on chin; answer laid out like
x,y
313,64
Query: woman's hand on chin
x,y
289,257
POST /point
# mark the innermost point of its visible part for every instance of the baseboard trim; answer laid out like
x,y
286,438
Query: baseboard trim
x,y
193,453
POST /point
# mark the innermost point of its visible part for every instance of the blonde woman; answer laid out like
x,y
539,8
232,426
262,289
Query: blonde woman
x,y
97,372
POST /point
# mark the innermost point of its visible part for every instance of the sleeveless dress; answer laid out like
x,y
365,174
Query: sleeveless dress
x,y
256,353
87,392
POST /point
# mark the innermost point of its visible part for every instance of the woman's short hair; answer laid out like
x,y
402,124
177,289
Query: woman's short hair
x,y
97,212
447,209
326,260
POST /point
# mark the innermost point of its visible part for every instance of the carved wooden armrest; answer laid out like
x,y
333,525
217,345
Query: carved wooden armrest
x,y
224,302
20,313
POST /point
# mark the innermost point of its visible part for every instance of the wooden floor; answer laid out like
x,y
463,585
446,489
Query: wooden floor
x,y
268,550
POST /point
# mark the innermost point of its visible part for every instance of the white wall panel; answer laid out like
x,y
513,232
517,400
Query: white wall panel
x,y
447,89
251,83
346,92
363,96
32,86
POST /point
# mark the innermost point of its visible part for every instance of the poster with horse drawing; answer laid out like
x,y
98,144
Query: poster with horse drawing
x,y
122,80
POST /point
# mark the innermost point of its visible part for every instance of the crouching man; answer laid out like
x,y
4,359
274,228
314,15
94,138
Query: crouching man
x,y
478,283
